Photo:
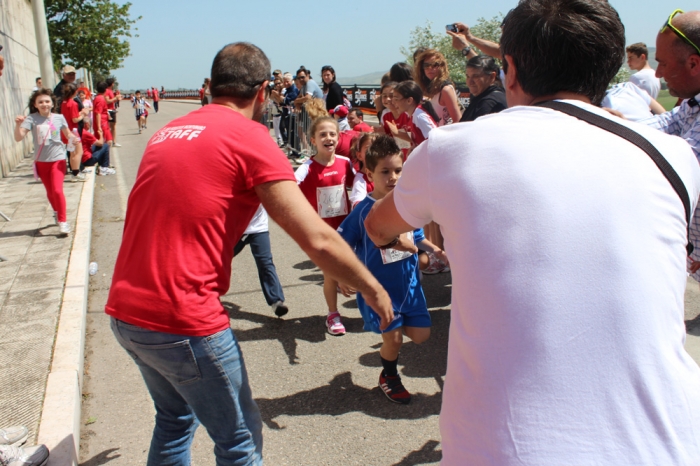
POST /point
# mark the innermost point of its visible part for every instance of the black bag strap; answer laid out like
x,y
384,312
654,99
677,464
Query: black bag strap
x,y
636,139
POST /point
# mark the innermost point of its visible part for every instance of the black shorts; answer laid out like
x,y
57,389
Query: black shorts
x,y
112,115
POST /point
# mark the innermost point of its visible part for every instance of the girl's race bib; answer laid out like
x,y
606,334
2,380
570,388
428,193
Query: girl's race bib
x,y
331,201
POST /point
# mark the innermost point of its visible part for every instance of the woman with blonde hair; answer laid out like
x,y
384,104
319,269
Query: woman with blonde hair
x,y
430,72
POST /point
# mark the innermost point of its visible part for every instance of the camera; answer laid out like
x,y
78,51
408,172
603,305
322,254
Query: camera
x,y
451,28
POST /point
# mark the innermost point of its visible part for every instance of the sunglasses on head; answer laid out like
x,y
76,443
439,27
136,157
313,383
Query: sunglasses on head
x,y
683,37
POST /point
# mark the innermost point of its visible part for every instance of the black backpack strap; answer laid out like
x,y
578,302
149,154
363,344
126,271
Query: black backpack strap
x,y
636,139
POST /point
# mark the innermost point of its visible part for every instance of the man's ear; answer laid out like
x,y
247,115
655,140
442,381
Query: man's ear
x,y
261,96
512,86
693,64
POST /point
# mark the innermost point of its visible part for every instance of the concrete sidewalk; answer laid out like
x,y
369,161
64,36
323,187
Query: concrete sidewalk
x,y
41,308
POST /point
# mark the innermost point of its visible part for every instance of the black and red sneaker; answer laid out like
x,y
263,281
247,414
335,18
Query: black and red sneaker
x,y
394,389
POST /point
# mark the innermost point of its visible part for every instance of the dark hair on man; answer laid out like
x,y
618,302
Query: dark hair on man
x,y
357,112
302,69
417,53
411,89
101,87
401,72
382,147
110,81
639,49
323,70
37,79
485,64
238,71
564,45
68,91
35,95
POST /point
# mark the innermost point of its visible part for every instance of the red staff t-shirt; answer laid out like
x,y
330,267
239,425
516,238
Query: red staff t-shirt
x,y
193,199
325,188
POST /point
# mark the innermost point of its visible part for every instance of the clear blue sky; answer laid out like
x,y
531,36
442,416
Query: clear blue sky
x,y
178,39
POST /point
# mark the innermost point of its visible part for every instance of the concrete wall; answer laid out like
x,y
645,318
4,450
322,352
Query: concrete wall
x,y
17,80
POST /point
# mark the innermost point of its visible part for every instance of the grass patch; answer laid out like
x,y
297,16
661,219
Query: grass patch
x,y
666,100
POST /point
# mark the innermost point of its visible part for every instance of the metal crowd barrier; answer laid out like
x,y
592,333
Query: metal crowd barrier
x,y
294,126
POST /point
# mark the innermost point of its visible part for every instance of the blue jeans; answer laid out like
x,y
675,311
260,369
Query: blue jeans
x,y
193,380
100,156
267,274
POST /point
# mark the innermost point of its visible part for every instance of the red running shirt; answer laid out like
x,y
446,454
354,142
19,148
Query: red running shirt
x,y
69,109
325,187
110,94
193,199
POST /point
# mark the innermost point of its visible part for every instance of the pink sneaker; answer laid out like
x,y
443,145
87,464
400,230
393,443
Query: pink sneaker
x,y
335,326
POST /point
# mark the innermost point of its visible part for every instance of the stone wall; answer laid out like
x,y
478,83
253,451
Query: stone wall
x,y
18,77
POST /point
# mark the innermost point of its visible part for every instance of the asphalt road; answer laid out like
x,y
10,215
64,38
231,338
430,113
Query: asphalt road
x,y
317,394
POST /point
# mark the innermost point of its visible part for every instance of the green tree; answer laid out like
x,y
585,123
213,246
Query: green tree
x,y
90,34
622,75
424,36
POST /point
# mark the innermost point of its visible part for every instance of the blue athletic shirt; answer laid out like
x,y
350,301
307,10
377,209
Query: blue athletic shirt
x,y
399,278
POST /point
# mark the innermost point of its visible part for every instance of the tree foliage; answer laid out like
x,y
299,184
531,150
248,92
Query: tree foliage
x,y
424,36
90,34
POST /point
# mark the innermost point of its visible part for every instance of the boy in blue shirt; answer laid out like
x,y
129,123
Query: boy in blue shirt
x,y
394,265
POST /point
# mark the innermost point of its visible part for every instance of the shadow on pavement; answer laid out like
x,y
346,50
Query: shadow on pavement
x,y
102,458
287,332
306,265
342,396
429,359
693,326
427,454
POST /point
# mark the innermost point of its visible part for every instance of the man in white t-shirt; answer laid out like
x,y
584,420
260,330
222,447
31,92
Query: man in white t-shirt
x,y
645,76
567,249
632,101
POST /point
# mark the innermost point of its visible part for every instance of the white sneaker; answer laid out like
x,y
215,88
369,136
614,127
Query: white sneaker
x,y
63,227
28,456
13,436
104,171
116,144
76,178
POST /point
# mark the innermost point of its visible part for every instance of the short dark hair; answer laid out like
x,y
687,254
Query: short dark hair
x,y
544,39
486,64
101,87
37,79
638,49
110,81
238,71
357,112
302,69
382,147
401,72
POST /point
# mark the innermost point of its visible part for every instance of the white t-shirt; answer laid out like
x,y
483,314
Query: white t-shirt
x,y
646,79
259,223
632,101
567,250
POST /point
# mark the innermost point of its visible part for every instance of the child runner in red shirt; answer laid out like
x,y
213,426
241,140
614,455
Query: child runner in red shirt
x,y
407,98
323,179
361,185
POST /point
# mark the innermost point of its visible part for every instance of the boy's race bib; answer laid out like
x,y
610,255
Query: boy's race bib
x,y
392,255
331,201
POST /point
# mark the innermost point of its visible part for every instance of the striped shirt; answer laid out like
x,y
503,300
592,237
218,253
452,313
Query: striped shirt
x,y
684,122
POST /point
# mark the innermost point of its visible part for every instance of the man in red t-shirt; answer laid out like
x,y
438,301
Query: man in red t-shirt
x,y
356,120
100,113
184,218
111,100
